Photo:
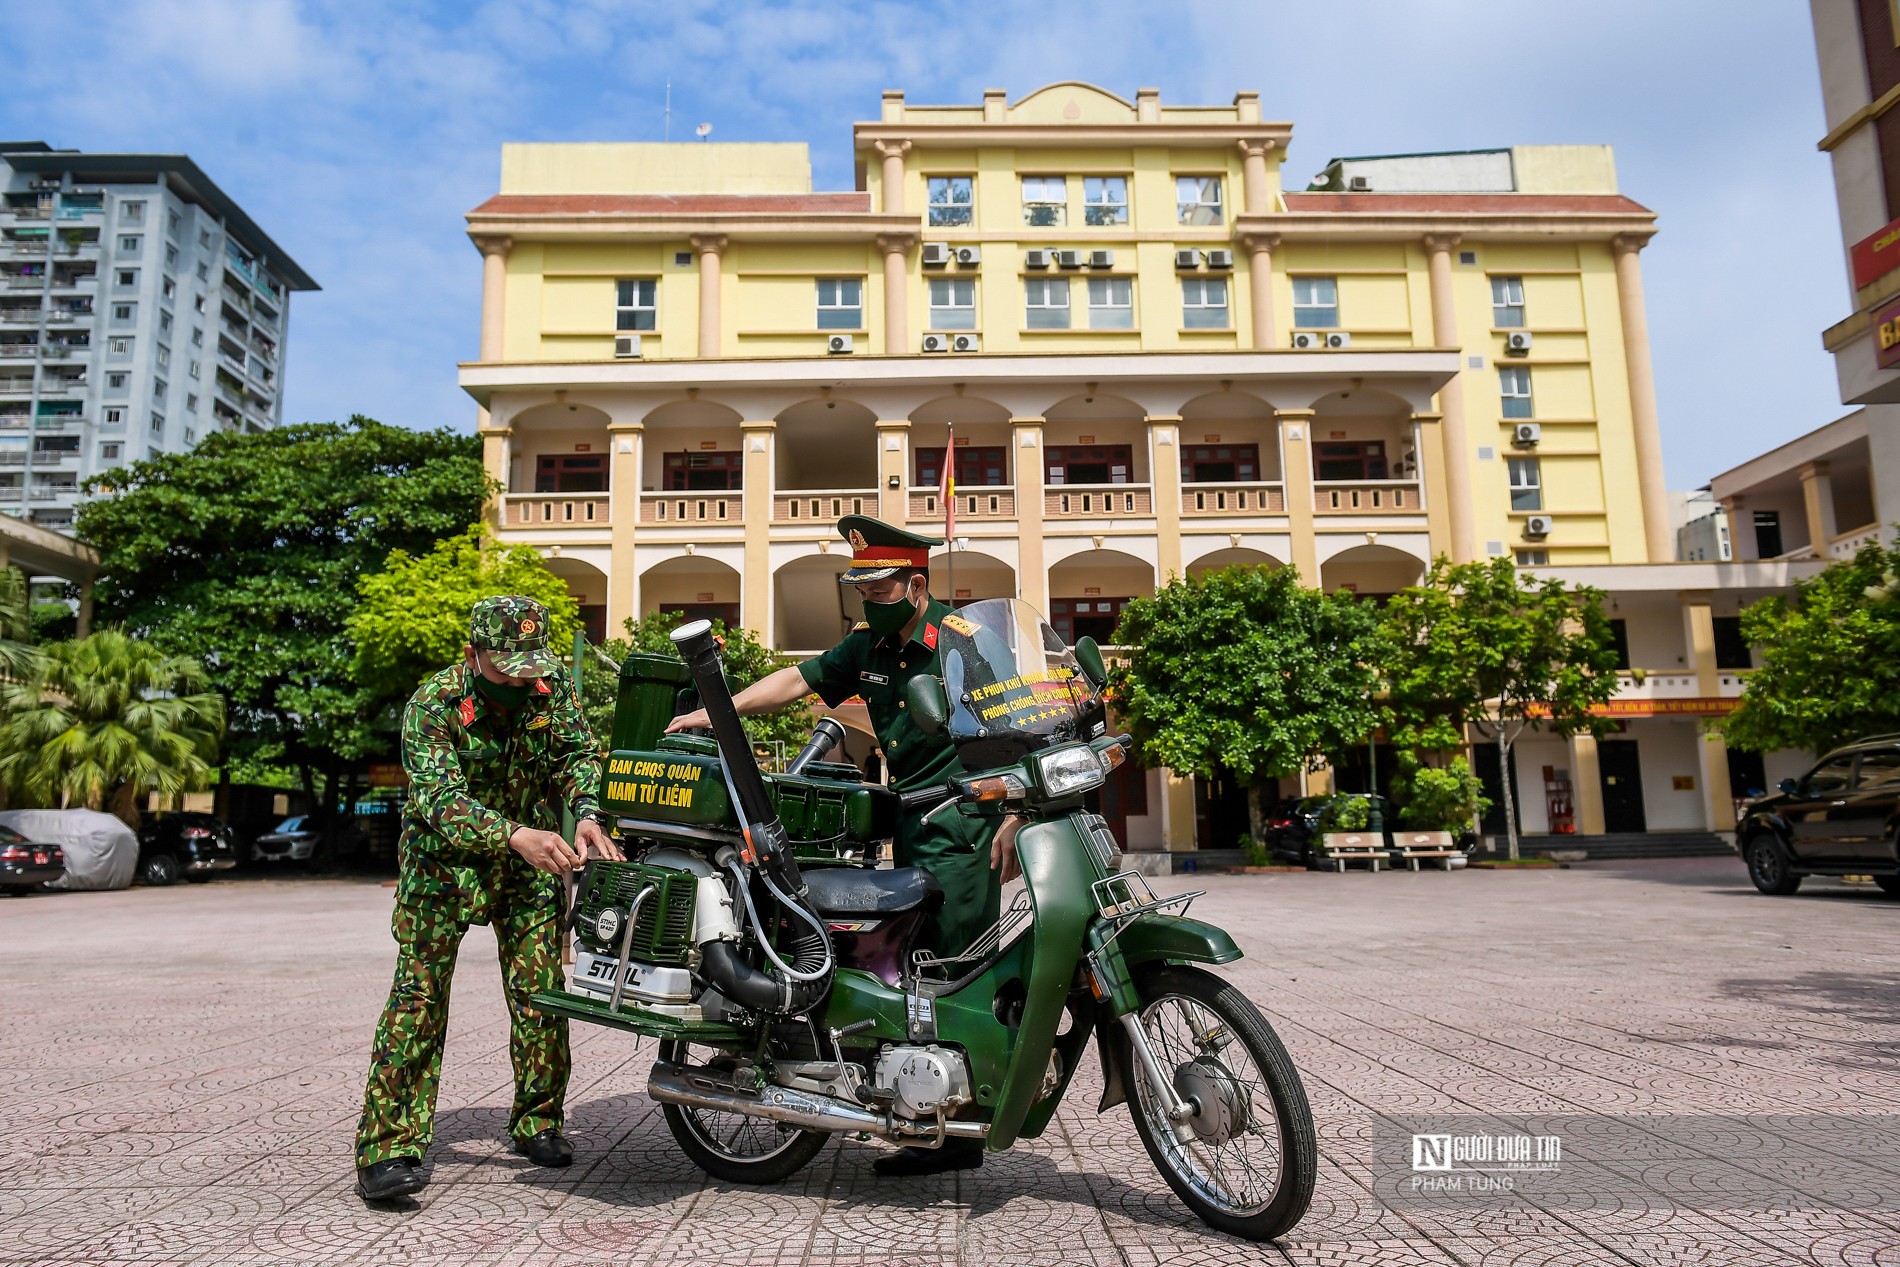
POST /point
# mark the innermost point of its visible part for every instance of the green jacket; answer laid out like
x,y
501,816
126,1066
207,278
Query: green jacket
x,y
877,671
477,772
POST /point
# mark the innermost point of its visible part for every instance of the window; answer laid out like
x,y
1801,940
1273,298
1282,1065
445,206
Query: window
x,y
204,274
122,312
132,212
951,201
158,424
115,380
719,471
977,466
120,346
1349,460
1514,386
130,244
127,278
164,356
115,417
172,221
168,288
1089,463
1315,303
1045,201
1731,649
1111,303
159,387
164,322
952,303
1220,463
204,238
193,370
1527,483
56,444
1507,302
637,304
109,451
583,473
1197,200
840,303
1830,776
1878,766
191,436
171,256
1204,303
197,337
1104,200
198,303
191,403
1047,299
1086,617
1620,642
1533,558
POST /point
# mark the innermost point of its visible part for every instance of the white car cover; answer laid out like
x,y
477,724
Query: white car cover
x,y
101,851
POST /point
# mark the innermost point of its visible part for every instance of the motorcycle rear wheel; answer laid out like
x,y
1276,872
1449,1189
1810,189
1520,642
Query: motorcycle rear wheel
x,y
1250,1165
734,1146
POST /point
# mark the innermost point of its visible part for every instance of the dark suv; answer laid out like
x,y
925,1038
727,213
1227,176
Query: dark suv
x,y
1840,818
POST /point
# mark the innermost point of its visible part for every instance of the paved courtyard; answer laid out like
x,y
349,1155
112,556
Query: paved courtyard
x,y
180,1072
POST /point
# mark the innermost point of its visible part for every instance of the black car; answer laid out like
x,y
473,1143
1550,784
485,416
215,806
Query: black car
x,y
184,845
1293,826
1840,818
25,865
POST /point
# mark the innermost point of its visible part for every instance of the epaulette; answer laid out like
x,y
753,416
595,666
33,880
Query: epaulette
x,y
960,625
862,624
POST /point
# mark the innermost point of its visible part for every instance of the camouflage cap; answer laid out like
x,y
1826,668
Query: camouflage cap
x,y
515,628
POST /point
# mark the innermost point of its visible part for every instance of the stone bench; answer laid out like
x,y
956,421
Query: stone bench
x,y
1411,846
1341,847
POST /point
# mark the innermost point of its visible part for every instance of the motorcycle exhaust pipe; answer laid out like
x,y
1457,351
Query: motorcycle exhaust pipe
x,y
676,1084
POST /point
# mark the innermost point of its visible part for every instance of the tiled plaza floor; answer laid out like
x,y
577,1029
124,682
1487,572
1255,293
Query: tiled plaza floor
x,y
180,1072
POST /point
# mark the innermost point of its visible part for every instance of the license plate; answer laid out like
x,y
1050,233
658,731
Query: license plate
x,y
41,859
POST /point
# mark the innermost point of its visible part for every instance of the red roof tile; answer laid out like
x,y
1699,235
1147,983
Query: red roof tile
x,y
1453,204
672,204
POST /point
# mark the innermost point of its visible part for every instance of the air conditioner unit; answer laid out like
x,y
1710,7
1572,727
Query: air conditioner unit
x,y
1187,259
936,343
1536,526
838,343
1308,339
969,255
936,254
1358,184
1518,343
1101,259
627,345
1526,434
1220,259
1036,259
1338,339
966,343
1068,259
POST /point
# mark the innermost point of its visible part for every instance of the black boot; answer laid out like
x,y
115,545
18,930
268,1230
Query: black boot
x,y
546,1148
387,1180
956,1154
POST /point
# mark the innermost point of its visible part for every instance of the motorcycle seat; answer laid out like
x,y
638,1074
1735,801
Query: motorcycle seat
x,y
846,891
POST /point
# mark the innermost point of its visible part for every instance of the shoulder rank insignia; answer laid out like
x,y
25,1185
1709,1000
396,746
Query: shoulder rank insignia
x,y
862,624
468,710
957,624
541,687
930,636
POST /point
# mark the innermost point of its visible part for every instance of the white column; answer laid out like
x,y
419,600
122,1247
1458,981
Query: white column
x,y
1451,402
891,184
1649,460
896,294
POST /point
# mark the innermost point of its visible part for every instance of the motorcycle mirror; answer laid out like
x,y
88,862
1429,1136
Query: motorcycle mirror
x,y
1088,657
928,702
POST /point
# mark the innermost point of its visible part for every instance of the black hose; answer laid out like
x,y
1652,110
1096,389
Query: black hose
x,y
723,966
825,738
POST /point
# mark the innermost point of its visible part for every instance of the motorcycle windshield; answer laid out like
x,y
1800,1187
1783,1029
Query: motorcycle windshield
x,y
1013,686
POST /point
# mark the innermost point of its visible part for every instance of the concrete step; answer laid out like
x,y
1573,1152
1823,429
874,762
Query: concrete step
x,y
1624,845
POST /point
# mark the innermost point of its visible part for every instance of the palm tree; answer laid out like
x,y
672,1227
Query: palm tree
x,y
103,721
18,659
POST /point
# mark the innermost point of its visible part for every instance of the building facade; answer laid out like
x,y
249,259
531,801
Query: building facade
x,y
1140,354
140,310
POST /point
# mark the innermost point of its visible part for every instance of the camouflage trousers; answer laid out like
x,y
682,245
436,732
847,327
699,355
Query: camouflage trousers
x,y
406,1064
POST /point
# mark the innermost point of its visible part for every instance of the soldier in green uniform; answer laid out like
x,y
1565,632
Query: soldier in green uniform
x,y
494,747
970,855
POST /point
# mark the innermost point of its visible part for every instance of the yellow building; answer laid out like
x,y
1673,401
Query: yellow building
x,y
1155,358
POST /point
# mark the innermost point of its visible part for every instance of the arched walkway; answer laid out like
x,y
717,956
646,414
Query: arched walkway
x,y
813,610
1087,592
698,587
1371,570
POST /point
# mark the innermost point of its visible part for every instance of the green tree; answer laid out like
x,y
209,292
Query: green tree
x,y
1248,672
1437,798
18,659
746,659
1485,647
105,720
1829,672
413,617
244,555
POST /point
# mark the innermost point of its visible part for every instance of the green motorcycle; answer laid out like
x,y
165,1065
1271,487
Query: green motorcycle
x,y
783,977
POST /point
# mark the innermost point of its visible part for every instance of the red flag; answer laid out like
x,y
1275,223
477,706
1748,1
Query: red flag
x,y
947,483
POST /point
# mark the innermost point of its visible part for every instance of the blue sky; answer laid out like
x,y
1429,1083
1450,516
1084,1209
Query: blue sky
x,y
358,133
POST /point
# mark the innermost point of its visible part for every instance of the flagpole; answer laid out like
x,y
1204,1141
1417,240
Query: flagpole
x,y
949,514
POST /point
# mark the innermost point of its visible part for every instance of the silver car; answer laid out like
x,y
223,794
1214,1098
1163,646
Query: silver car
x,y
294,840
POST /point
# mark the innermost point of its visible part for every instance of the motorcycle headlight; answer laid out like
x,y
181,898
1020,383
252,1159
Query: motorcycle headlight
x,y
1067,771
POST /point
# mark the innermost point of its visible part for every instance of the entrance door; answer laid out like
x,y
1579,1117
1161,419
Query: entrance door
x,y
1622,772
1124,793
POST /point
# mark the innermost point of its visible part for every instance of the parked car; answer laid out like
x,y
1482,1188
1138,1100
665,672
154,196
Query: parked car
x,y
1294,828
184,845
293,840
25,865
1840,818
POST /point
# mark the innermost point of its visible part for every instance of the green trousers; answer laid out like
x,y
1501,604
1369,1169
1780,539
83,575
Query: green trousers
x,y
406,1064
955,848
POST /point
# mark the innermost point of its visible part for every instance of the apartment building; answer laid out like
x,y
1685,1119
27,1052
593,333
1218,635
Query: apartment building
x,y
1141,355
140,310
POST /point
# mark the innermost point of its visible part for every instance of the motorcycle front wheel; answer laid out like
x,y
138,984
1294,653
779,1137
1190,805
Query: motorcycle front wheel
x,y
735,1147
1250,1157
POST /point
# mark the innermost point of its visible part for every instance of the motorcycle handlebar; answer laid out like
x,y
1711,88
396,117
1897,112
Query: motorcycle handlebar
x,y
935,794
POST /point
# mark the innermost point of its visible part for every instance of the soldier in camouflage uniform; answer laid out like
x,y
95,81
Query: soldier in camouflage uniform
x,y
494,747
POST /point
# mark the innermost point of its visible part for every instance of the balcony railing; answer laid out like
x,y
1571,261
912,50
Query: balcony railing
x,y
20,316
1673,684
1233,499
692,508
1848,544
987,501
1088,501
824,505
554,510
12,457
1367,497
18,351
